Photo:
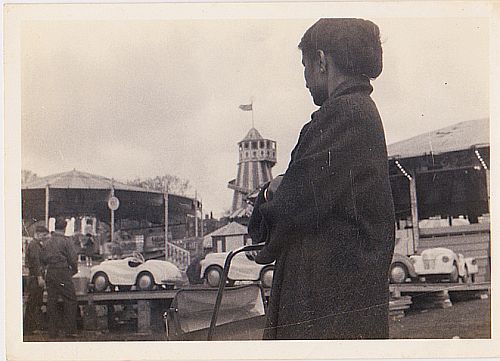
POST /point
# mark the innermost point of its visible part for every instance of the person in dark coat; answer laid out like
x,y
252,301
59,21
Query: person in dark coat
x,y
62,263
36,282
328,222
88,246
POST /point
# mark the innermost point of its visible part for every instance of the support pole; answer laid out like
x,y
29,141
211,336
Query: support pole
x,y
196,214
112,216
414,212
202,219
488,187
47,199
144,316
253,125
165,202
488,275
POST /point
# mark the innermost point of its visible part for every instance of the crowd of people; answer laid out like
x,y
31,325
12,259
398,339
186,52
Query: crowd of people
x,y
52,260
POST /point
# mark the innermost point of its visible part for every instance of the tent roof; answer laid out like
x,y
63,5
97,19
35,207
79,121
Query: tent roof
x,y
80,180
460,136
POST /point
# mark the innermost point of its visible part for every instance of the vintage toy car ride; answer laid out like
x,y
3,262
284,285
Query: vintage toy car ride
x,y
401,269
438,264
242,269
134,271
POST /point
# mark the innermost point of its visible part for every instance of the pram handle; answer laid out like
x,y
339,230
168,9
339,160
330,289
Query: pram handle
x,y
222,282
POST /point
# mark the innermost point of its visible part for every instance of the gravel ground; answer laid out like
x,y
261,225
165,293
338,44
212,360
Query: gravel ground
x,y
467,319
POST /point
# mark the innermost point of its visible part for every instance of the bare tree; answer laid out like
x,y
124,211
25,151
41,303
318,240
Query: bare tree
x,y
27,176
162,183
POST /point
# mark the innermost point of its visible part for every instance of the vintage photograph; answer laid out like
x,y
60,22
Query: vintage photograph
x,y
220,178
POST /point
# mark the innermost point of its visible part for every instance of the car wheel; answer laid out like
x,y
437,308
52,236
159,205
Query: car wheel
x,y
266,277
100,281
454,275
466,278
213,275
398,273
145,281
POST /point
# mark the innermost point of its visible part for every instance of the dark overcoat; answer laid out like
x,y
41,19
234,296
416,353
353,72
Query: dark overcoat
x,y
331,225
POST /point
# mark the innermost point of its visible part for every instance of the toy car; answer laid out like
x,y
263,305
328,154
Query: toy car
x,y
242,269
401,269
444,264
472,268
134,271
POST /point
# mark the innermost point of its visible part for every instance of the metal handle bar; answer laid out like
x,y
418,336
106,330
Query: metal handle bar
x,y
222,282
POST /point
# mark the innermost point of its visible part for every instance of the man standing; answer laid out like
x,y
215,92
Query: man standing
x,y
62,263
36,283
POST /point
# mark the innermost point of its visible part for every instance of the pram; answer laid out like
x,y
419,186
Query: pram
x,y
236,313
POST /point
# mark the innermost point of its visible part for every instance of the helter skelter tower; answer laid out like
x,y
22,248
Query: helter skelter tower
x,y
256,158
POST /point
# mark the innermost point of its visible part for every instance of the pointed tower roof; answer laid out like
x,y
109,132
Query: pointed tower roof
x,y
253,134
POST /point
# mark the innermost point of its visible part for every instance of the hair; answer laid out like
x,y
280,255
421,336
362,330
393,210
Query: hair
x,y
60,223
354,44
41,229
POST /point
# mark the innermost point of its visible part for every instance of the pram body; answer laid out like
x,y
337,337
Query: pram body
x,y
233,313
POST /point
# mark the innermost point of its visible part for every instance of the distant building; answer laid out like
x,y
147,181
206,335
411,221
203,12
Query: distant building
x,y
227,238
256,158
210,223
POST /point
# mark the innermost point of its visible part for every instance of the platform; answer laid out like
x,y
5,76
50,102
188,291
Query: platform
x,y
436,287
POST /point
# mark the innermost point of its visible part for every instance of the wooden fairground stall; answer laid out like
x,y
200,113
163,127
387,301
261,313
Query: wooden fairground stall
x,y
440,184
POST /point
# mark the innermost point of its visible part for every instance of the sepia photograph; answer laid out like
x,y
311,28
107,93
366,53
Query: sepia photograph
x,y
249,173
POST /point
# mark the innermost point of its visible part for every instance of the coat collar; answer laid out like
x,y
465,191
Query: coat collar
x,y
352,85
356,84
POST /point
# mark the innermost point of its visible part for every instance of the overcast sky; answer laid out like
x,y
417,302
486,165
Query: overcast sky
x,y
129,99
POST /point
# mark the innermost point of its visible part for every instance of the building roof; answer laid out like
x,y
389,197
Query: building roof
x,y
80,180
460,136
253,134
230,229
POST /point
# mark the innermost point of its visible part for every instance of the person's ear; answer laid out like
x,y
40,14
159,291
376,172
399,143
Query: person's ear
x,y
322,60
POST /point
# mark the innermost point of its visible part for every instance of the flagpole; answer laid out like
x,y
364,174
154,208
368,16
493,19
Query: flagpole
x,y
253,126
251,104
246,108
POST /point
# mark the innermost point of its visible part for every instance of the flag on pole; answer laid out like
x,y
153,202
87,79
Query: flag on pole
x,y
246,107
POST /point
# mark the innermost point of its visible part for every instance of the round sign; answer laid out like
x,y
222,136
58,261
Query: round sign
x,y
113,203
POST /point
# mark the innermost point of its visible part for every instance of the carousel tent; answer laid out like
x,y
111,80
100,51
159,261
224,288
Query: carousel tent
x,y
75,179
75,193
449,168
463,135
